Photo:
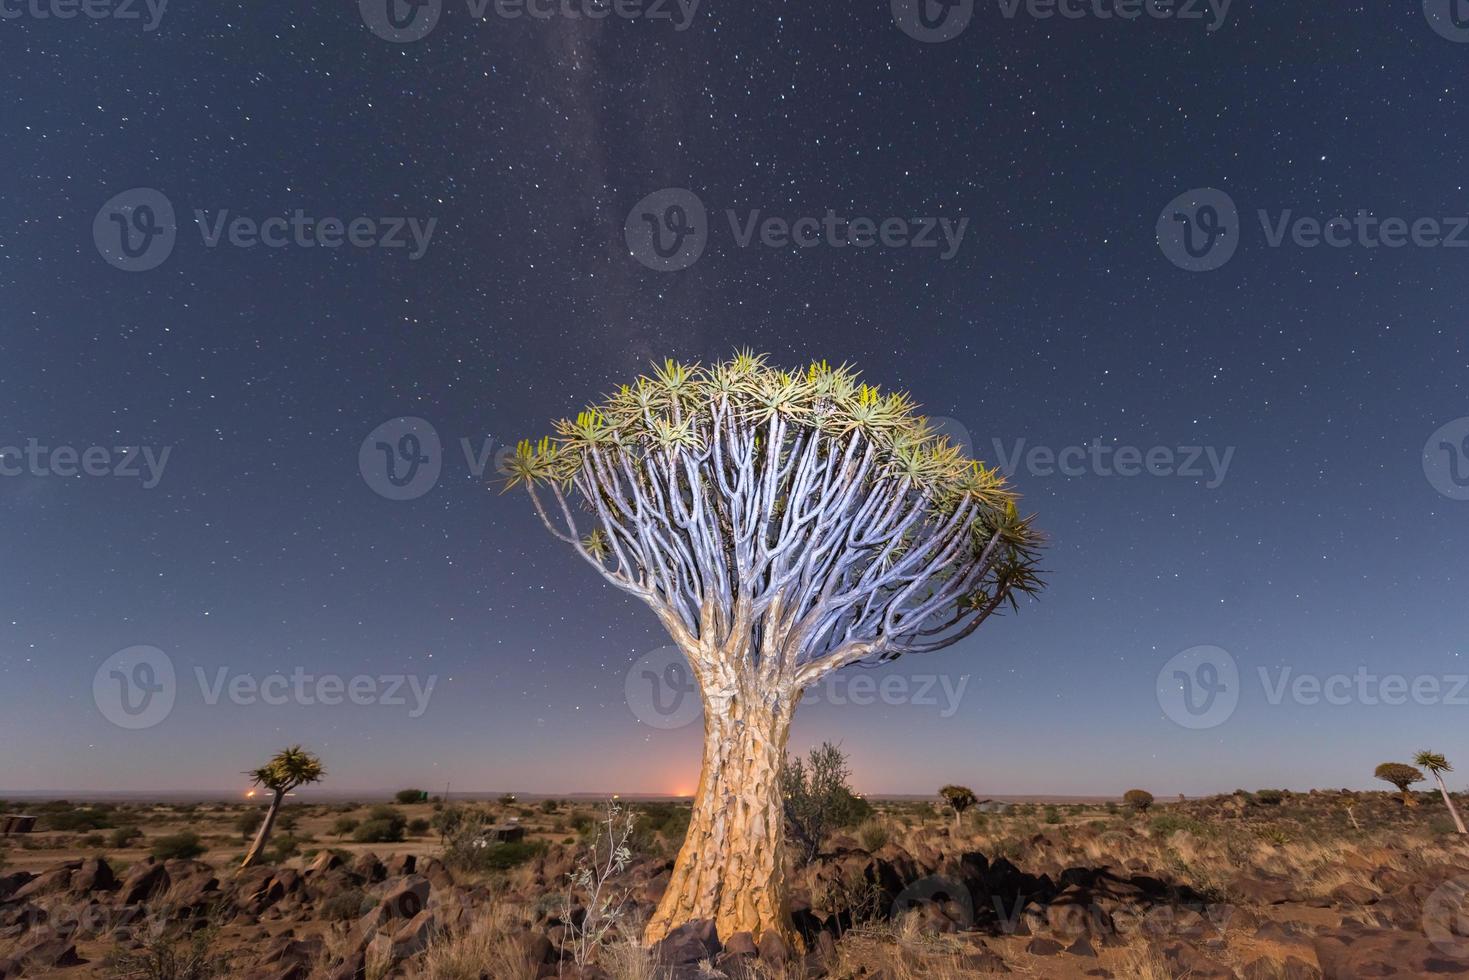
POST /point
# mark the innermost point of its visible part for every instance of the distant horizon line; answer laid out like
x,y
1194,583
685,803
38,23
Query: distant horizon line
x,y
374,795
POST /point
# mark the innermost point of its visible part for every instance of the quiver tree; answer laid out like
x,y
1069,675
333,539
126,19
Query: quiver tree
x,y
290,768
1435,763
781,525
1401,775
958,799
1138,799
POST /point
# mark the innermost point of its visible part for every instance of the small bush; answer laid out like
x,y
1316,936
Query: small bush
x,y
379,832
469,848
418,826
342,826
344,905
75,821
180,846
248,823
1270,797
282,847
124,836
872,835
406,796
1165,824
1139,799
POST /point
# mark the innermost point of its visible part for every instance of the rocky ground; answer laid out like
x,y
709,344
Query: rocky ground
x,y
1221,888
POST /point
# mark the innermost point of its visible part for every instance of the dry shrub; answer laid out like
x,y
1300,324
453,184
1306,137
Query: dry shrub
x,y
491,945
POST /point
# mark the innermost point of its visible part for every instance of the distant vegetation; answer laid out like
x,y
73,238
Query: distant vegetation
x,y
1139,799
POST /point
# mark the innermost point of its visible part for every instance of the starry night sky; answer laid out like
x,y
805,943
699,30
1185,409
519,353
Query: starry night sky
x,y
263,549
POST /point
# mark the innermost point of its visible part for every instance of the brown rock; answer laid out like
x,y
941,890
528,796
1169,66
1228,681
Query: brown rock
x,y
773,949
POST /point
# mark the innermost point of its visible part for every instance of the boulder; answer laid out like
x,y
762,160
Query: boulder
x,y
144,880
1349,953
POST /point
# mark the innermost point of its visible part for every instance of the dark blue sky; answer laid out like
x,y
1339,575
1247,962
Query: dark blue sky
x,y
1324,549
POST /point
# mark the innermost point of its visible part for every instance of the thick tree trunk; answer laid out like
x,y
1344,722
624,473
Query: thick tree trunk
x,y
1408,799
263,834
731,867
1453,811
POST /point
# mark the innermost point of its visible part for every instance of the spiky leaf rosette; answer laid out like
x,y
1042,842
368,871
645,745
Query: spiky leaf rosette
x,y
290,768
805,515
1434,762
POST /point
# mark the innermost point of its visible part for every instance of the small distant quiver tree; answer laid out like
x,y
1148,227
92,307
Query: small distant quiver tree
x,y
1401,775
289,769
781,525
958,799
1435,763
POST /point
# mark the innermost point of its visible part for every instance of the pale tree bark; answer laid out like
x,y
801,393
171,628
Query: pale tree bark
x,y
1453,812
263,834
731,868
781,526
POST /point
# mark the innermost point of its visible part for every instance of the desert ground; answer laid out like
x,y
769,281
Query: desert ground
x,y
1268,884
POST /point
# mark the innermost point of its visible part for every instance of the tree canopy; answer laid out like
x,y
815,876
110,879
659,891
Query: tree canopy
x,y
289,768
1400,774
805,517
